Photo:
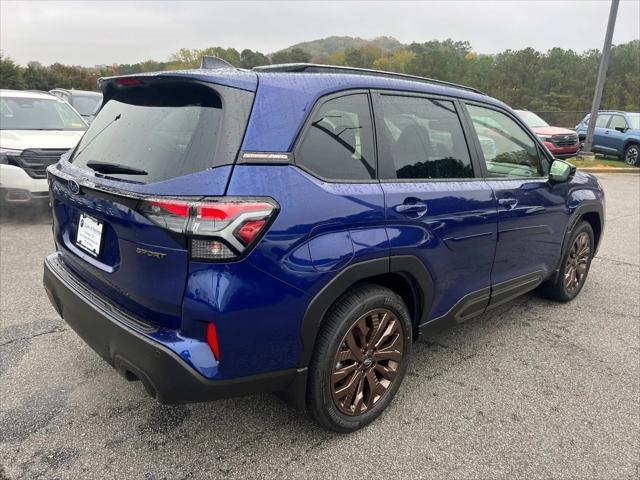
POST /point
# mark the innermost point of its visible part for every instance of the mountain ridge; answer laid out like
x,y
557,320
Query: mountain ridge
x,y
328,45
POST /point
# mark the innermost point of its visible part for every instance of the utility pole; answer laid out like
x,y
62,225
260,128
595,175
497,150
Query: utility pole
x,y
602,75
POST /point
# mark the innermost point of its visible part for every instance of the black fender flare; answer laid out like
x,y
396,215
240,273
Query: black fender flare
x,y
408,265
589,206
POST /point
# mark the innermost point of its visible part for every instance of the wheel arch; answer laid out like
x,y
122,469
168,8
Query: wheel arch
x,y
593,219
591,212
628,142
406,275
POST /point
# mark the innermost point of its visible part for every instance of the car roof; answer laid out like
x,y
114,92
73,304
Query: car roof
x,y
617,111
27,94
343,78
284,98
73,91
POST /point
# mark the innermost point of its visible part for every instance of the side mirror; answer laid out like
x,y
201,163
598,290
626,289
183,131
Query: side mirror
x,y
621,129
561,171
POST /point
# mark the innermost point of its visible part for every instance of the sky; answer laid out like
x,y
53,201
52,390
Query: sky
x,y
94,32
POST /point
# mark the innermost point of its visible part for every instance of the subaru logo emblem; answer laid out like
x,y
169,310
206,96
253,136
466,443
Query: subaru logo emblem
x,y
73,186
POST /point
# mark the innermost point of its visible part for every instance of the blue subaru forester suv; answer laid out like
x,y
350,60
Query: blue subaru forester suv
x,y
615,133
295,228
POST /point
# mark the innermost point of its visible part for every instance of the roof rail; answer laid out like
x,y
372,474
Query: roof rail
x,y
319,68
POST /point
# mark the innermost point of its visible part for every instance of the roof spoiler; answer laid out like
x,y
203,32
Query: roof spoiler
x,y
211,62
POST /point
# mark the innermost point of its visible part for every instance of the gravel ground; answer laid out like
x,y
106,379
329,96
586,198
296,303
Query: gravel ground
x,y
533,390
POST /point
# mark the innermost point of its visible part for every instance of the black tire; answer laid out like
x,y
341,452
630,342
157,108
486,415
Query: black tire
x,y
562,289
341,319
632,154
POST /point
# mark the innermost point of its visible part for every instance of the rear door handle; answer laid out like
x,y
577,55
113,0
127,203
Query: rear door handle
x,y
417,209
508,203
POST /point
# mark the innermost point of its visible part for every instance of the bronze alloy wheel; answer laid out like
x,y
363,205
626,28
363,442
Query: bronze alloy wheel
x,y
367,361
575,269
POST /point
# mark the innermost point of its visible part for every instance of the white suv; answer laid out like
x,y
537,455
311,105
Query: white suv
x,y
36,128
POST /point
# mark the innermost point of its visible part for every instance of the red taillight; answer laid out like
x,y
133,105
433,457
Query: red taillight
x,y
224,211
251,230
180,209
128,82
212,340
224,229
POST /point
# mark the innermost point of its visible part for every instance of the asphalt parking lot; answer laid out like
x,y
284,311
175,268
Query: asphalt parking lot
x,y
534,390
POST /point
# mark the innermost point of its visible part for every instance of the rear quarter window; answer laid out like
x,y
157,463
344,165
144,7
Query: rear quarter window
x,y
338,142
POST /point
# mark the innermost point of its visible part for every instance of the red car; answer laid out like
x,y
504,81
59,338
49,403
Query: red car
x,y
561,142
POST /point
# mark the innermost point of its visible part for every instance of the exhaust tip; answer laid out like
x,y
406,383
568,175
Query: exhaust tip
x,y
133,374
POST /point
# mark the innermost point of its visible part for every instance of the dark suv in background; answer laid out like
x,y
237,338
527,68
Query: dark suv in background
x,y
295,228
616,133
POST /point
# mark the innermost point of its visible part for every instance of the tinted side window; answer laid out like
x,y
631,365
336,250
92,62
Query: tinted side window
x,y
602,120
508,150
425,138
618,121
339,142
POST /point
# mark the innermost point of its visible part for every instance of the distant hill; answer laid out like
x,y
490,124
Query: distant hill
x,y
329,45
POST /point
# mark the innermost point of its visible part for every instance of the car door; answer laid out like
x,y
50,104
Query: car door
x,y
337,152
438,209
531,218
600,133
614,138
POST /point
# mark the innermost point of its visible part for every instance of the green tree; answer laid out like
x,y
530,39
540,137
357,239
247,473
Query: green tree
x,y
363,57
558,80
250,59
295,55
397,61
622,88
38,77
336,58
10,74
185,58
441,60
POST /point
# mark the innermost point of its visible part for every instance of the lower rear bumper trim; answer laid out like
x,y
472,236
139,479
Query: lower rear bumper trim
x,y
163,373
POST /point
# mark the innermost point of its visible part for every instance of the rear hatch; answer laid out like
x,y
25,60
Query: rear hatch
x,y
155,137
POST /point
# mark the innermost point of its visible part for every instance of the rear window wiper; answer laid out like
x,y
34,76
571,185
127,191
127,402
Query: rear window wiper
x,y
105,167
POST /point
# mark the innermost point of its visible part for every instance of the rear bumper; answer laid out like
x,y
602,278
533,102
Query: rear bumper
x,y
163,373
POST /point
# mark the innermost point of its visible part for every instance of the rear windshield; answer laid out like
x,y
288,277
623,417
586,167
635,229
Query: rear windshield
x,y
23,113
86,104
162,130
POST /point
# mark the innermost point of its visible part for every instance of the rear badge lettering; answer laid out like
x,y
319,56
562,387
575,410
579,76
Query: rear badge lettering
x,y
150,253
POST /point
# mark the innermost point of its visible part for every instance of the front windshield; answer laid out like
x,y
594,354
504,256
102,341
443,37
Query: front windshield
x,y
86,105
531,119
23,113
634,120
